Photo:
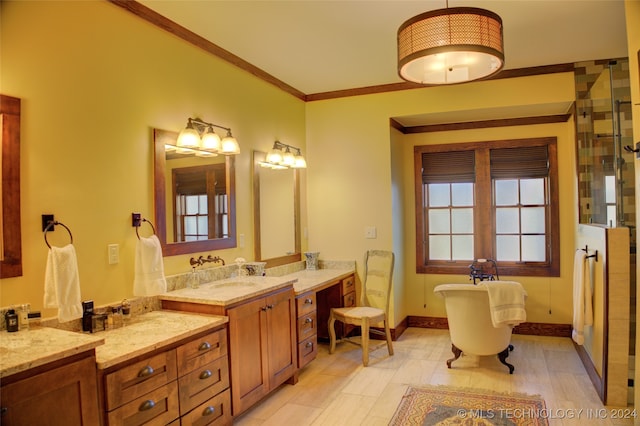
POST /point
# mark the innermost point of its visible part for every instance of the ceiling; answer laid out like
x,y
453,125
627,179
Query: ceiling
x,y
319,46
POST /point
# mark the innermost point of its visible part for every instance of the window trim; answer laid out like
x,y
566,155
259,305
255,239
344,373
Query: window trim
x,y
484,247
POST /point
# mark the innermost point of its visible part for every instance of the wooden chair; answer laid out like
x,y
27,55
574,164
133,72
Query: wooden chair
x,y
373,309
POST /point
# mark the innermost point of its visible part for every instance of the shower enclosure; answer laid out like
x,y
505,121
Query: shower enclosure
x,y
606,175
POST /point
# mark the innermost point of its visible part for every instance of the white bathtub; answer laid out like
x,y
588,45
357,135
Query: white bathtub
x,y
470,325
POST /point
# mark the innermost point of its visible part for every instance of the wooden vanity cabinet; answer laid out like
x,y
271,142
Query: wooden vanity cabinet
x,y
307,328
262,339
63,393
187,381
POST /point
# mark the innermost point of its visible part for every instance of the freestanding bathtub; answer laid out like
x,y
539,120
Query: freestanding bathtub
x,y
470,325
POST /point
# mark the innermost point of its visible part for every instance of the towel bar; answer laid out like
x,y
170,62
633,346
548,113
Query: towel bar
x,y
136,221
49,227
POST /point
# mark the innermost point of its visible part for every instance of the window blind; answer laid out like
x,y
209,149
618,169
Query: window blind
x,y
521,162
449,166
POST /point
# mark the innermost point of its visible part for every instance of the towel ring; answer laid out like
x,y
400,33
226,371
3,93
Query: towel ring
x,y
150,224
50,225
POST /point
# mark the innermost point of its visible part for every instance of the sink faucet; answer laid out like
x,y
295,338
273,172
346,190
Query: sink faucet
x,y
201,260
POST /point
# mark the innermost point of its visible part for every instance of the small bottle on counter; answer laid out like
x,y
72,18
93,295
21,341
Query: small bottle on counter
x,y
11,320
23,319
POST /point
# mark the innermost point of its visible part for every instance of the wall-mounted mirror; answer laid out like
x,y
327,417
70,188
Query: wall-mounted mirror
x,y
11,239
276,213
194,199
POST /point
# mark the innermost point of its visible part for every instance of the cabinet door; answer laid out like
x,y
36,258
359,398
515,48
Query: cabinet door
x,y
281,340
66,395
247,349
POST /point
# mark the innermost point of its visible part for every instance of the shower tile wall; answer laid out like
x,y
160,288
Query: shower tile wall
x,y
596,153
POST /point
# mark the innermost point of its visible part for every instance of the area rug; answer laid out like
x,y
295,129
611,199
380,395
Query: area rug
x,y
442,405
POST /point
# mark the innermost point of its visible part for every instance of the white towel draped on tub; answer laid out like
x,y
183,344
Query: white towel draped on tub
x,y
582,303
149,277
62,283
506,302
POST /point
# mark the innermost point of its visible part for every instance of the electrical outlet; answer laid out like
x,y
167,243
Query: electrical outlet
x,y
241,241
114,254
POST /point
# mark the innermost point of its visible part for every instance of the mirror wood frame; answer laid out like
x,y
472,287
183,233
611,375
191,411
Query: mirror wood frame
x,y
259,156
160,138
11,263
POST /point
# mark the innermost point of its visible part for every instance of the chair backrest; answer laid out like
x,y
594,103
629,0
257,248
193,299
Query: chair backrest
x,y
378,273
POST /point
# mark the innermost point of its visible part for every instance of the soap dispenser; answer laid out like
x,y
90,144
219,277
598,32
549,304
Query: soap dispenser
x,y
11,319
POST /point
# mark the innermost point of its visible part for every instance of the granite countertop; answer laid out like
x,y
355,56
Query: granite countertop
x,y
314,280
37,346
148,332
229,290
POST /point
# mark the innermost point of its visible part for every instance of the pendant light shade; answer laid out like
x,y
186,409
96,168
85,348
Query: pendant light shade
x,y
452,45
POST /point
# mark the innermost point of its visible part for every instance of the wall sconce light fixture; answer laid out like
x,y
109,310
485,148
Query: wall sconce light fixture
x,y
200,139
283,156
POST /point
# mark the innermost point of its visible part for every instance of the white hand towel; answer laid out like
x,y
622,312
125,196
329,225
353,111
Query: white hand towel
x,y
582,303
506,302
149,277
62,283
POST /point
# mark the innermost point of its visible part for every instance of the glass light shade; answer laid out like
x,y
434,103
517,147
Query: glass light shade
x,y
300,162
188,138
288,159
274,156
211,141
452,45
230,145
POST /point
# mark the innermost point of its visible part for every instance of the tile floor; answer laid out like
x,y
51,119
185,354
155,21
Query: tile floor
x,y
337,390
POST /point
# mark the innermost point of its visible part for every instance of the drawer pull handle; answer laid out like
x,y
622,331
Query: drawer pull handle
x,y
308,320
205,374
308,301
146,372
204,346
208,411
309,344
147,405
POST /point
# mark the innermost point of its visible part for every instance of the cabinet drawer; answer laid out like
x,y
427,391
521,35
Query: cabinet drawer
x,y
201,351
137,379
214,412
306,303
157,407
307,351
349,299
203,383
348,284
307,326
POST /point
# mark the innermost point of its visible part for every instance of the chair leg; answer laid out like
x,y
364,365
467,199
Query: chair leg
x,y
387,331
365,341
332,334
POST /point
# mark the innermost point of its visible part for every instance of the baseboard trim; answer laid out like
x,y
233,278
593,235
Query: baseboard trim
x,y
597,381
527,328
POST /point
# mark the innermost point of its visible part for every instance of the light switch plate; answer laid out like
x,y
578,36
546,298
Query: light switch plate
x,y
114,254
370,232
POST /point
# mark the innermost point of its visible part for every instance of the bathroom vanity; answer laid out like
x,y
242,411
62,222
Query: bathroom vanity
x,y
46,371
274,323
165,367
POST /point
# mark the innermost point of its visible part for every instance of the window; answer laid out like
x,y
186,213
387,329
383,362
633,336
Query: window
x,y
496,200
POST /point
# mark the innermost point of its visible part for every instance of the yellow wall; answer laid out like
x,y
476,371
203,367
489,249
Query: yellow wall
x,y
358,179
94,79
